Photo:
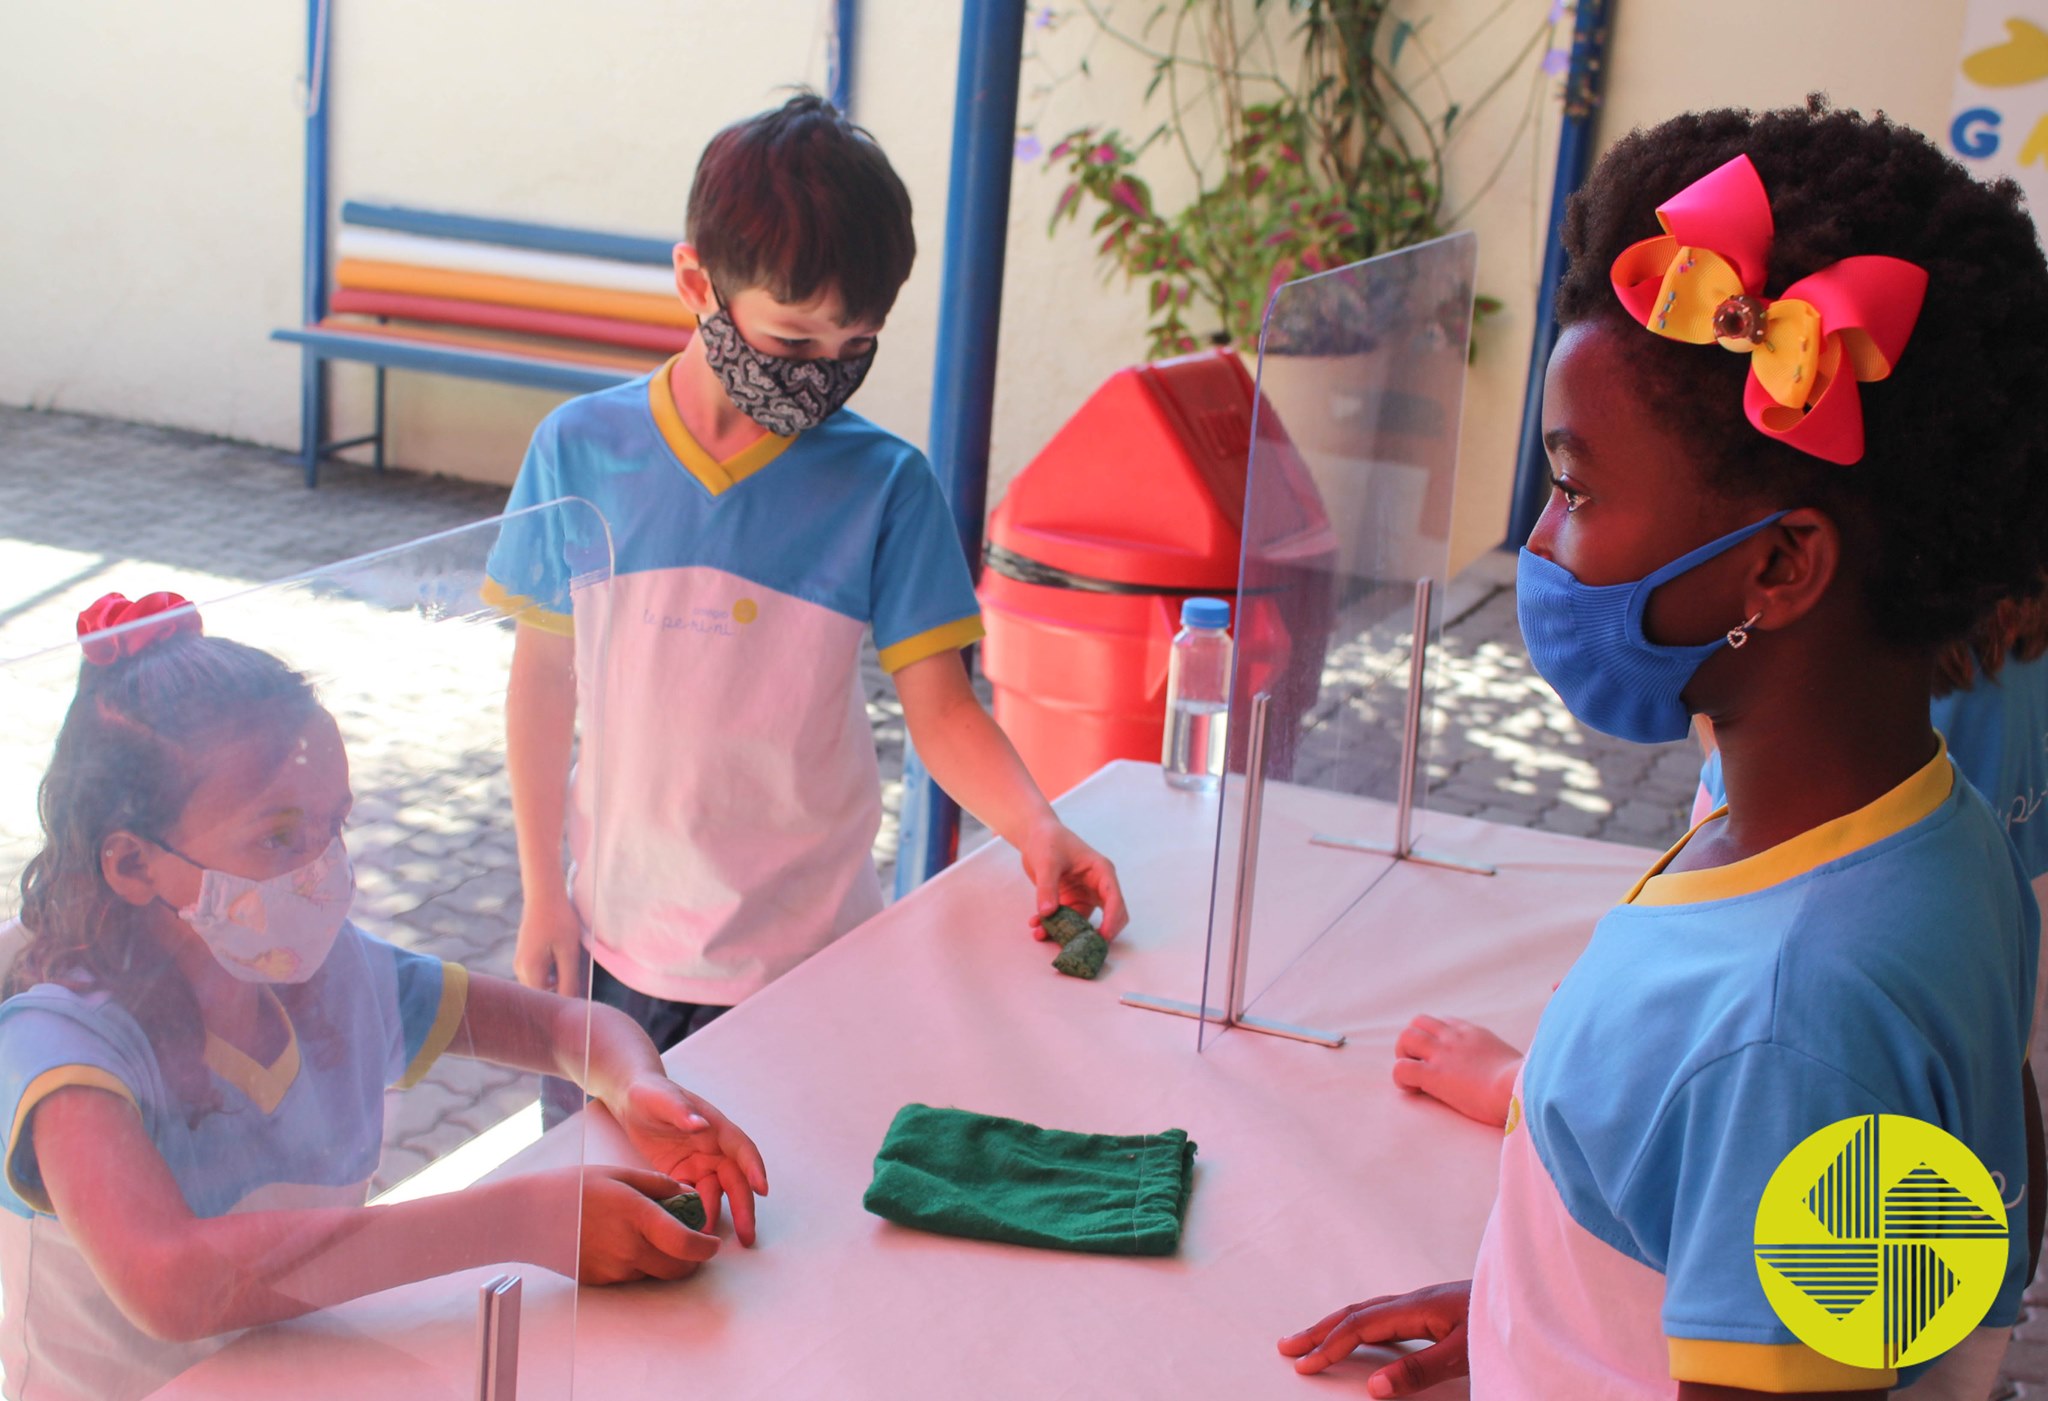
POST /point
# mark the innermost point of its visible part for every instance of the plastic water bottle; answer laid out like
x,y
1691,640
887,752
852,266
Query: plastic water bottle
x,y
1198,696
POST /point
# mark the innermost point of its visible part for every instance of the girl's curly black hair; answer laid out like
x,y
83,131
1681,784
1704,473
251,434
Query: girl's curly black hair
x,y
1949,506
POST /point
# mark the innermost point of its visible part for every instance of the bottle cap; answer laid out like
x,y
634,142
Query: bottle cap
x,y
1204,613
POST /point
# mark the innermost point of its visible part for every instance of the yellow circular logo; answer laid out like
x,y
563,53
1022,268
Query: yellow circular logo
x,y
1881,1241
745,611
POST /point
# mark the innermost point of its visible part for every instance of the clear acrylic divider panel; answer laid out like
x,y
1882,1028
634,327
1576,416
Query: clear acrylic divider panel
x,y
1347,506
368,1076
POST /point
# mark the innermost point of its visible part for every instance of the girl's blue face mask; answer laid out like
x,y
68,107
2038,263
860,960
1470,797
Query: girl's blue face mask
x,y
1587,641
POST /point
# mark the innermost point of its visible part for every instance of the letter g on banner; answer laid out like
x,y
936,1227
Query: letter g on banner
x,y
1974,133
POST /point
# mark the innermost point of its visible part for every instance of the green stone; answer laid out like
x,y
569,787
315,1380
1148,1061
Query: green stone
x,y
1083,955
1064,925
687,1207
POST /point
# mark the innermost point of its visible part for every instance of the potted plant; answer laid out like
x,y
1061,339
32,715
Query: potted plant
x,y
1295,172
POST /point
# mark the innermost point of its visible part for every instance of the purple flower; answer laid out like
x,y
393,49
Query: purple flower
x,y
1044,18
1028,147
1557,62
1556,10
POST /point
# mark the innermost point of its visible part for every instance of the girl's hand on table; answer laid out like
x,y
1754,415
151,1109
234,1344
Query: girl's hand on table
x,y
687,1138
1464,1065
1437,1313
1067,871
627,1235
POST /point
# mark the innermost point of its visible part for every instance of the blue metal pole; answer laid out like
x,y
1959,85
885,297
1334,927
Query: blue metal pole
x,y
964,382
312,369
839,74
1574,159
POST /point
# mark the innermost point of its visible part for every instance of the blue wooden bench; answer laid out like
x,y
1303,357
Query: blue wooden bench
x,y
492,299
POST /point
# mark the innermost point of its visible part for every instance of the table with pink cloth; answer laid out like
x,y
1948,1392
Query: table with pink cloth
x,y
1318,1182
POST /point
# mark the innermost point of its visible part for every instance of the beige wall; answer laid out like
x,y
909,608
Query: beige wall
x,y
1895,55
150,176
149,212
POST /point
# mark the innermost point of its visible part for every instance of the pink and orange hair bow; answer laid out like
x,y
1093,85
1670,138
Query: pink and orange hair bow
x,y
1703,280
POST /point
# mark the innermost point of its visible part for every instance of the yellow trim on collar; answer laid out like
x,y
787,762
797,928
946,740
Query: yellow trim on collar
x,y
62,1077
526,612
454,1002
946,637
715,475
265,1085
1775,1367
1895,811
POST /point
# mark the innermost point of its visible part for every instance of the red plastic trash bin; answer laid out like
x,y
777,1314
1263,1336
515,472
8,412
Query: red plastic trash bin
x,y
1136,504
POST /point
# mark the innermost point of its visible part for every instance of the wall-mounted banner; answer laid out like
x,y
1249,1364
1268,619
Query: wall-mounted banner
x,y
2000,125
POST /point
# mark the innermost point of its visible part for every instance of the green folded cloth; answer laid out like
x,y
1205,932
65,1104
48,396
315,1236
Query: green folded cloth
x,y
965,1174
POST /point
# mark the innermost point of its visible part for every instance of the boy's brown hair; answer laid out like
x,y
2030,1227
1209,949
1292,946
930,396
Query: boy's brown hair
x,y
799,201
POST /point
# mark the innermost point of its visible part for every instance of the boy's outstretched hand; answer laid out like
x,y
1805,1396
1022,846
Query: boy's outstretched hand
x,y
1067,871
687,1138
1437,1313
973,760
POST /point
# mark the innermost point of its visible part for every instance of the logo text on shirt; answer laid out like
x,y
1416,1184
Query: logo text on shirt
x,y
714,622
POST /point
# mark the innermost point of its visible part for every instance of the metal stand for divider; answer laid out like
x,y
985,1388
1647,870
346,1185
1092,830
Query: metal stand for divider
x,y
1402,848
497,1340
1232,1013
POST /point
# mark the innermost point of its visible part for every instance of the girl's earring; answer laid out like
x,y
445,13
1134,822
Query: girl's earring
x,y
1739,634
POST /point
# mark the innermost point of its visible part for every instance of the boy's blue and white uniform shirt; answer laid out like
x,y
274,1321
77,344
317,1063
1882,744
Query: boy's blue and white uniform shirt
x,y
725,803
305,1130
1881,963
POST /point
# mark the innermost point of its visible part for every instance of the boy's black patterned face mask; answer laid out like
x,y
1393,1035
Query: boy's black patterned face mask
x,y
782,394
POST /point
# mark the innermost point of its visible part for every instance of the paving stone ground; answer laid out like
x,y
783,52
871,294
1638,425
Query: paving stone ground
x,y
89,505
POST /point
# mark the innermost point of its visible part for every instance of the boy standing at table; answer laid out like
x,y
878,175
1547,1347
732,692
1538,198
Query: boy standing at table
x,y
723,810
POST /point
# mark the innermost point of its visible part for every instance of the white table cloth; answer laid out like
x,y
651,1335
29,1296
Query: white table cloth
x,y
1318,1182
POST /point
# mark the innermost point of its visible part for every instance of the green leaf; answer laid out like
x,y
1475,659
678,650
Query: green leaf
x,y
1401,32
1450,115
